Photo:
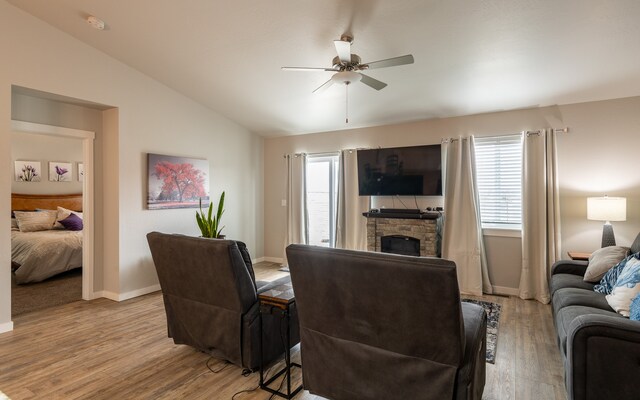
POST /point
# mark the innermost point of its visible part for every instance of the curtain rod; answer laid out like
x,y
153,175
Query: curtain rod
x,y
528,133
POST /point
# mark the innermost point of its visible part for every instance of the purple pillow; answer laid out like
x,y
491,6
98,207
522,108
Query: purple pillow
x,y
72,223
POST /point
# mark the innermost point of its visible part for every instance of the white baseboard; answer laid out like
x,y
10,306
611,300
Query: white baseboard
x,y
6,327
128,295
258,260
505,290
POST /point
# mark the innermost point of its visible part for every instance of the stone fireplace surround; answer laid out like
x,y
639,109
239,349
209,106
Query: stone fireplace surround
x,y
422,226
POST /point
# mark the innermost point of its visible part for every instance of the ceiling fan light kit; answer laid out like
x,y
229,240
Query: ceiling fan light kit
x,y
347,65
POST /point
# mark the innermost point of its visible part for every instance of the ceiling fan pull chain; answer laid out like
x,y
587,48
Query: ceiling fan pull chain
x,y
346,105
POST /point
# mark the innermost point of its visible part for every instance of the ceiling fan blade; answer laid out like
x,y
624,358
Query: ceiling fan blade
x,y
343,49
324,86
390,62
374,83
308,69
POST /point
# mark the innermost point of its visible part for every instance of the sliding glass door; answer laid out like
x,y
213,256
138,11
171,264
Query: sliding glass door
x,y
322,199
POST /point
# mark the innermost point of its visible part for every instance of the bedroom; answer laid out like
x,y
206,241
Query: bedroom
x,y
49,276
144,115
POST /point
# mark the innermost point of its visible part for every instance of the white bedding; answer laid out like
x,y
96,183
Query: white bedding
x,y
44,254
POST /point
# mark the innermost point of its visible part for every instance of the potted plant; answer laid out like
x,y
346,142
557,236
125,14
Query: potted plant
x,y
210,224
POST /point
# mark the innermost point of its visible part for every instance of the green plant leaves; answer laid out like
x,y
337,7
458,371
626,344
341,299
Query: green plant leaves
x,y
208,223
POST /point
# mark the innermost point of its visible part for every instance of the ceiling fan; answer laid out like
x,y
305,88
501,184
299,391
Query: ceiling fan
x,y
347,66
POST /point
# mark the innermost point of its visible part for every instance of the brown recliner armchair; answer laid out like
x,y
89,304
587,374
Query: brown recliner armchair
x,y
383,326
211,299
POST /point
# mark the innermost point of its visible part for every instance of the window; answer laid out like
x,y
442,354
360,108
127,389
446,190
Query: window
x,y
499,176
322,199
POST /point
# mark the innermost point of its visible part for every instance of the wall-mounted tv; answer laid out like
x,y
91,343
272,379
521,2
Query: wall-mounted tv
x,y
402,171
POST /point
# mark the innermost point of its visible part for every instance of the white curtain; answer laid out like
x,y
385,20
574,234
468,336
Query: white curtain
x,y
462,240
351,225
540,214
297,216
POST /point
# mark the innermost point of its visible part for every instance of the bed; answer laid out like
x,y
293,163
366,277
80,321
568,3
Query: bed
x,y
36,256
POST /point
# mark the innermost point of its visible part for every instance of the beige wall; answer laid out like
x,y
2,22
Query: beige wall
x,y
596,157
46,148
146,117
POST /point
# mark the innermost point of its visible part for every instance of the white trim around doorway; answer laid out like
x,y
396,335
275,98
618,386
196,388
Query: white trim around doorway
x,y
87,138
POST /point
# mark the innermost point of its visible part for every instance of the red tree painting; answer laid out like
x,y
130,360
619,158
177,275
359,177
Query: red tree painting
x,y
180,181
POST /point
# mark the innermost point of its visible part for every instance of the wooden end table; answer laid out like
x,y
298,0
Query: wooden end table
x,y
279,300
577,255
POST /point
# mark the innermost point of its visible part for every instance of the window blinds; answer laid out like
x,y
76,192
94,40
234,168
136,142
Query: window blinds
x,y
499,178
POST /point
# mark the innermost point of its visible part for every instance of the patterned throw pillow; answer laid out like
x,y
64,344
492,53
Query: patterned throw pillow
x,y
33,221
626,288
635,309
611,277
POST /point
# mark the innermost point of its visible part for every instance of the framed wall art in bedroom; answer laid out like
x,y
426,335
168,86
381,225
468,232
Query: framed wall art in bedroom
x,y
59,171
28,171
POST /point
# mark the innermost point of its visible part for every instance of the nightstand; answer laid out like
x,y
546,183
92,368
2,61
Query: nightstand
x,y
576,255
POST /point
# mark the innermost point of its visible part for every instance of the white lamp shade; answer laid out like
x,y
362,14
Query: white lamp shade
x,y
607,208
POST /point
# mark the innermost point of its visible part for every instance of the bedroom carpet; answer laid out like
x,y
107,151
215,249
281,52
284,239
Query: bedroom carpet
x,y
61,289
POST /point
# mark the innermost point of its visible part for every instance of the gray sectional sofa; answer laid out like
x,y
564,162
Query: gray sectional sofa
x,y
600,348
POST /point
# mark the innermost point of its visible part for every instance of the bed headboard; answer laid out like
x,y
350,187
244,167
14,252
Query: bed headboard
x,y
29,202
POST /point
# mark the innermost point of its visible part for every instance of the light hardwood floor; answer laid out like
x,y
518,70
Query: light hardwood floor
x,y
107,350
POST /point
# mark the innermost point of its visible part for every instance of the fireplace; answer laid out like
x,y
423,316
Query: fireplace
x,y
400,244
393,228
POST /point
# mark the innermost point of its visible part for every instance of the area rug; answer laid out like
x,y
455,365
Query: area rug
x,y
58,290
493,318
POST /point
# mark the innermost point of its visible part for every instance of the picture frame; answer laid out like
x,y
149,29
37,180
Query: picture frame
x,y
27,171
60,171
176,182
80,172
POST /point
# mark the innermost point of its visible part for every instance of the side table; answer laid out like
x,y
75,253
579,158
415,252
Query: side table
x,y
279,299
576,255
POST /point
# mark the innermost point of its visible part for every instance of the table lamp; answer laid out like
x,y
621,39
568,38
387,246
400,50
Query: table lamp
x,y
607,209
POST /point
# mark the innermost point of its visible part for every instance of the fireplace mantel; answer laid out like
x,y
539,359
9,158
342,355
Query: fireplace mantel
x,y
425,227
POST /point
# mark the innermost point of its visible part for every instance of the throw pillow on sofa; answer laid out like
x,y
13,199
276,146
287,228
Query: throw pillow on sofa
x,y
627,287
602,260
635,309
611,277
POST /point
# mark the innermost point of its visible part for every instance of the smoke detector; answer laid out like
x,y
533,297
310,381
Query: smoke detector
x,y
95,22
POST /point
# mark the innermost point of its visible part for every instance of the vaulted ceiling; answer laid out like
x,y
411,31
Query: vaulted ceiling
x,y
471,56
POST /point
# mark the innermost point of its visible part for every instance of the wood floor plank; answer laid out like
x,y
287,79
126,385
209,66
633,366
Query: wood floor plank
x,y
102,349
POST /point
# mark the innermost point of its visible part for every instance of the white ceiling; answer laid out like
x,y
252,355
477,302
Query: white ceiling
x,y
471,56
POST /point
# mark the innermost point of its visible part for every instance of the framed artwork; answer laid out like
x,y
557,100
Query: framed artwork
x,y
28,171
176,182
80,171
59,171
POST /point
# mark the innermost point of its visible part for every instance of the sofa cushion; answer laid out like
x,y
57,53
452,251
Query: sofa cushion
x,y
568,314
579,297
626,288
561,281
602,260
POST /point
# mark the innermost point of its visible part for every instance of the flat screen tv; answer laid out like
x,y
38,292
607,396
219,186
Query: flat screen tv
x,y
402,171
